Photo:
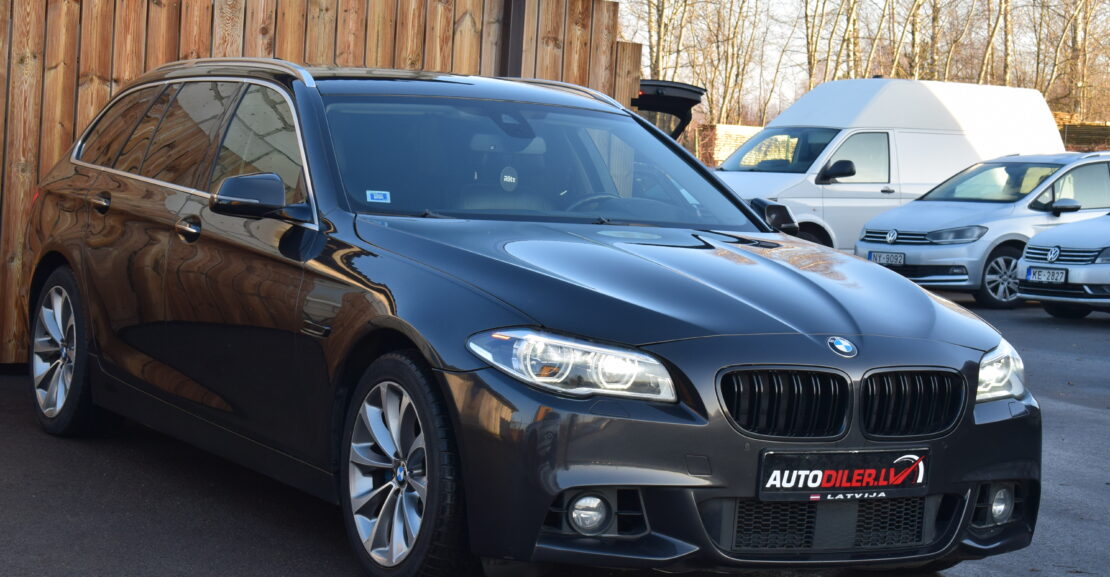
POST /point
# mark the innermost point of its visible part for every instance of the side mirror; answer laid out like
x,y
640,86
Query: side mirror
x,y
250,195
777,215
838,169
1062,205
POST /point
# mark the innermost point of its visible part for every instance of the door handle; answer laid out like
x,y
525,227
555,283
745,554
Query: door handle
x,y
188,228
886,190
101,201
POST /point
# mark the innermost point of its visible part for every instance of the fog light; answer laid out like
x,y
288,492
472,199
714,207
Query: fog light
x,y
1002,504
957,270
589,515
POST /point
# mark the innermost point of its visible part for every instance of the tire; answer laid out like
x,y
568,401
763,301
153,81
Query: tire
x,y
1066,310
998,289
59,358
375,478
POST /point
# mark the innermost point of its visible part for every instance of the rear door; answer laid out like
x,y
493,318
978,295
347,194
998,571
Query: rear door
x,y
128,234
849,202
233,283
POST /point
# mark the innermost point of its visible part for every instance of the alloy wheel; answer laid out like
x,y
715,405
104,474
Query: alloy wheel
x,y
1001,278
388,476
55,351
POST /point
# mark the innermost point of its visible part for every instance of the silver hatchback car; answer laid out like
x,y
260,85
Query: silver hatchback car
x,y
968,233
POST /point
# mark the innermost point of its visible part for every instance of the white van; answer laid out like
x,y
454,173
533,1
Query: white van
x,y
851,149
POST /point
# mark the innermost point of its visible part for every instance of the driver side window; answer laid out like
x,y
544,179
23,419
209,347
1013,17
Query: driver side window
x,y
1089,185
870,152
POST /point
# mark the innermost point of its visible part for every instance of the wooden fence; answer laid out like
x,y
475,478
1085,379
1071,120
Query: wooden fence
x,y
63,60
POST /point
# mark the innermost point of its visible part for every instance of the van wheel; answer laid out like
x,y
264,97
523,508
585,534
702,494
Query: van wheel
x,y
999,287
59,359
1066,310
399,482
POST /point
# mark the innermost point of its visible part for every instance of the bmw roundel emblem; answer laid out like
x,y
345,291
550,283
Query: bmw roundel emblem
x,y
1053,254
842,347
891,237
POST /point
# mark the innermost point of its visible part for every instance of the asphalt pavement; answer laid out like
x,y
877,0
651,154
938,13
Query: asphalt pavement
x,y
139,503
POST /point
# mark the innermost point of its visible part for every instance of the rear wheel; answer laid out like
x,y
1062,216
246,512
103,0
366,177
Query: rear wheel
x,y
1066,310
400,474
59,359
999,288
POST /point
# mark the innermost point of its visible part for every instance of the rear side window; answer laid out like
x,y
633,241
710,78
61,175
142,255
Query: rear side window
x,y
131,157
1089,185
262,138
870,152
182,140
105,139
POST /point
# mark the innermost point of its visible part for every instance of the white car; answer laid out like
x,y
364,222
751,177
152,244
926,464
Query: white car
x,y
1068,269
849,150
968,233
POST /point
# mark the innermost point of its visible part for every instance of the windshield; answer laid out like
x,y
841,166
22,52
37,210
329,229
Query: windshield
x,y
993,182
788,149
470,158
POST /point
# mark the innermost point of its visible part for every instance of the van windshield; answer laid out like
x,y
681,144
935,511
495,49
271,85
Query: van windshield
x,y
993,182
786,149
468,158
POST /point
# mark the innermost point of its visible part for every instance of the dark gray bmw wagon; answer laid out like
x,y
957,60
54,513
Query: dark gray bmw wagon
x,y
508,323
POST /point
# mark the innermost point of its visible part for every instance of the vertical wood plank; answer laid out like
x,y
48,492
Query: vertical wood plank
x,y
28,33
549,50
196,29
63,18
5,61
289,42
350,40
95,74
439,35
467,52
531,36
576,58
492,16
381,33
227,28
128,55
163,24
320,33
409,46
259,29
627,81
603,44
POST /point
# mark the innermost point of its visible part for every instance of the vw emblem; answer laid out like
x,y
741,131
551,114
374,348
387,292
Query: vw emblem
x,y
1053,254
842,347
891,236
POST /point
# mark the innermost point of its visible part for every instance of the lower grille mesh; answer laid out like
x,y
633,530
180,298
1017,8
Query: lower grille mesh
x,y
767,525
890,522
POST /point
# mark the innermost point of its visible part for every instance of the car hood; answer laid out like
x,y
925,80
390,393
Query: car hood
x,y
641,285
930,215
747,184
1089,234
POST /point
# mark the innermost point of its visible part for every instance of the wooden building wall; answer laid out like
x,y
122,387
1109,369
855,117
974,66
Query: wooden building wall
x,y
63,59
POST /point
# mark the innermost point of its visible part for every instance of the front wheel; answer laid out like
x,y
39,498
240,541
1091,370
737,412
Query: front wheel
x,y
400,485
999,288
1066,310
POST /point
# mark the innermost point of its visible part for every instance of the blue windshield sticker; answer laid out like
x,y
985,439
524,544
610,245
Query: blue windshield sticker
x,y
377,196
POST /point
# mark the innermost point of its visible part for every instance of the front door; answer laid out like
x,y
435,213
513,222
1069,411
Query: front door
x,y
233,283
850,202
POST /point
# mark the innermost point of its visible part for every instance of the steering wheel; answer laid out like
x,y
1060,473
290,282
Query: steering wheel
x,y
591,198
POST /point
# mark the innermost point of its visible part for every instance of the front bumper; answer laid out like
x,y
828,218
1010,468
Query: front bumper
x,y
522,449
934,265
1087,284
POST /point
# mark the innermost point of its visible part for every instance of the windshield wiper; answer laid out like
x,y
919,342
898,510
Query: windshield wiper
x,y
429,214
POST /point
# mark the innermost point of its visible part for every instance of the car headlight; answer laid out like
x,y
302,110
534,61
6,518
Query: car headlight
x,y
1103,257
957,235
574,367
1001,374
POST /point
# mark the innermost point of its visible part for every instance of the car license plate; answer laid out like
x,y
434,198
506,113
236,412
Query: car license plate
x,y
1046,275
840,476
887,258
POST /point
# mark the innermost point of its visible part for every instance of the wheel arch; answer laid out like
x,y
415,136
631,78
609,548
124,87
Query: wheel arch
x,y
819,230
46,265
